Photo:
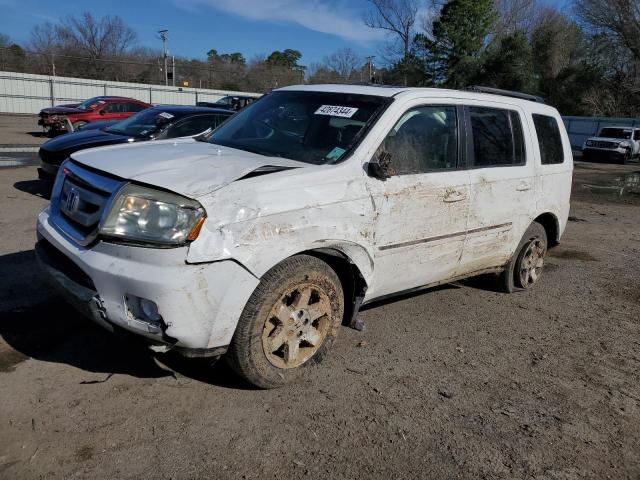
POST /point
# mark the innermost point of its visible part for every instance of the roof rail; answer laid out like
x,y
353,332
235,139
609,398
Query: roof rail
x,y
506,93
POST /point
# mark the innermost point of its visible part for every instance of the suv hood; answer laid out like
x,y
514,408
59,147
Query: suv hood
x,y
62,110
185,166
609,139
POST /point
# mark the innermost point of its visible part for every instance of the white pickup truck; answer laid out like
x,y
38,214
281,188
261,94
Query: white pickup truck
x,y
260,240
620,144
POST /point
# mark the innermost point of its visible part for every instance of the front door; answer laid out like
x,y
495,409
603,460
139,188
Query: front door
x,y
421,211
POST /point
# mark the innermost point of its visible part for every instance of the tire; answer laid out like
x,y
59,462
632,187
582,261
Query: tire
x,y
78,124
627,158
289,323
529,257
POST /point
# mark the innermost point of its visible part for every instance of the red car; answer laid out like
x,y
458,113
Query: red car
x,y
91,110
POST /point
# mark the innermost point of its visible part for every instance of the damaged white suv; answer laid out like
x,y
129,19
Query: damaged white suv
x,y
259,241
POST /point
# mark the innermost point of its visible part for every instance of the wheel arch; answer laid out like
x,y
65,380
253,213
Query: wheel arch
x,y
551,226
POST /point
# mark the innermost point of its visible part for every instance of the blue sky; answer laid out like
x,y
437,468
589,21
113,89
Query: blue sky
x,y
253,27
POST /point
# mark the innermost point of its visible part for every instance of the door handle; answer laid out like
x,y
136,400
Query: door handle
x,y
454,196
523,187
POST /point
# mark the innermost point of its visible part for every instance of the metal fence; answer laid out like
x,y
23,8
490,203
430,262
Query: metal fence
x,y
581,128
28,93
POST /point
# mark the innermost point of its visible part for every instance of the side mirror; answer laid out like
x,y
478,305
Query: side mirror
x,y
380,165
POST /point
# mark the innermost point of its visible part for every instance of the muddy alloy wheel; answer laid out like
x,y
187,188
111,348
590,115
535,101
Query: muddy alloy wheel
x,y
531,263
297,325
289,323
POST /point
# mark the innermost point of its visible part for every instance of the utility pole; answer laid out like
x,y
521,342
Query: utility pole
x,y
173,70
370,62
163,37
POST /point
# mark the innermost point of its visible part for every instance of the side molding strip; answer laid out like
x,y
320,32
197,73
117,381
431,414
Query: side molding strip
x,y
441,237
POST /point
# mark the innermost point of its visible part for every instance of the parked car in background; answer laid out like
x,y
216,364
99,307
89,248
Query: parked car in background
x,y
620,144
234,102
64,117
260,242
155,123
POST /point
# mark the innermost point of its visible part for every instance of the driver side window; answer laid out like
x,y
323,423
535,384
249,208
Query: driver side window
x,y
425,139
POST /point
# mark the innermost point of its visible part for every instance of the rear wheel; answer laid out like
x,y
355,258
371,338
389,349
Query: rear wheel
x,y
525,268
289,323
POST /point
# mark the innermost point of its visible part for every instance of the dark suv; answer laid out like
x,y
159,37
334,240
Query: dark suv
x,y
156,123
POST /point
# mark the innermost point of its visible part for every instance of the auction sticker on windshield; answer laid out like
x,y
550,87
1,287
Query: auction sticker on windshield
x,y
336,111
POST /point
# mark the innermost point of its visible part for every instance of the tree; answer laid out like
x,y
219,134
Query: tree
x,y
344,62
397,18
287,58
619,18
453,47
97,39
509,64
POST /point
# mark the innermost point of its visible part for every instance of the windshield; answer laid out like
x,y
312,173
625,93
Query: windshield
x,y
91,103
311,127
622,133
143,124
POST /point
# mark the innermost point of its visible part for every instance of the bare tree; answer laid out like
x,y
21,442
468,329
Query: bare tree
x,y
620,18
344,62
555,38
515,15
97,38
397,17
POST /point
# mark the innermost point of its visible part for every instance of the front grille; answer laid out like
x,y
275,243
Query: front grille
x,y
79,200
82,204
602,144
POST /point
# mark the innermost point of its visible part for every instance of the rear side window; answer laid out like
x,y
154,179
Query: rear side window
x,y
497,137
549,139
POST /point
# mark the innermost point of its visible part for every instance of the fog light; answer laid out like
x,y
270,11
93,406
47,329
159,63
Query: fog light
x,y
150,310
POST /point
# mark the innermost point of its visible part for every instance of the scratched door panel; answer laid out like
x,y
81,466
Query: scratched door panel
x,y
419,234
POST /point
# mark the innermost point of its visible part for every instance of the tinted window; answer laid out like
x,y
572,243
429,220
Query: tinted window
x,y
115,108
423,140
549,139
621,133
497,137
194,125
134,107
636,136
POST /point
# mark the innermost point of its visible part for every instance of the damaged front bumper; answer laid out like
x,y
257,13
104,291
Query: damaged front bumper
x,y
195,307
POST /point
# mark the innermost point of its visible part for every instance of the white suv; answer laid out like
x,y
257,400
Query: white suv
x,y
621,144
260,240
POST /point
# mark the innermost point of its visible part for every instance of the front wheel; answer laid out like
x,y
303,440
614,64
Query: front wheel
x,y
289,323
525,268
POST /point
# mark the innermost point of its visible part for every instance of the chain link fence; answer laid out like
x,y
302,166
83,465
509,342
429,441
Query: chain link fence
x,y
25,93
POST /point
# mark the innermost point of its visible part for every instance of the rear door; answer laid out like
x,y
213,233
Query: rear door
x,y
502,184
115,111
421,211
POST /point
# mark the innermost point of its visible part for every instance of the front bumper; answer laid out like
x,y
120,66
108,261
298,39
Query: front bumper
x,y
200,304
47,170
617,155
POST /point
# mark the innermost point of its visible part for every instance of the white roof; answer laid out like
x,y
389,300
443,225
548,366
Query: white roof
x,y
389,91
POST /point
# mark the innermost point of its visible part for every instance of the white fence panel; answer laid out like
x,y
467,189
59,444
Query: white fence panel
x,y
29,93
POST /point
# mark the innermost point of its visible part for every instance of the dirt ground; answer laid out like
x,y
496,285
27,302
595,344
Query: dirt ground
x,y
455,382
20,130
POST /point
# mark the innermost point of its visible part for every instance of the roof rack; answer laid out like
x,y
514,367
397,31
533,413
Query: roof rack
x,y
506,93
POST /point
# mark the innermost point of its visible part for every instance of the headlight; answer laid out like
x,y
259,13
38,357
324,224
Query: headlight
x,y
624,145
147,215
589,143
